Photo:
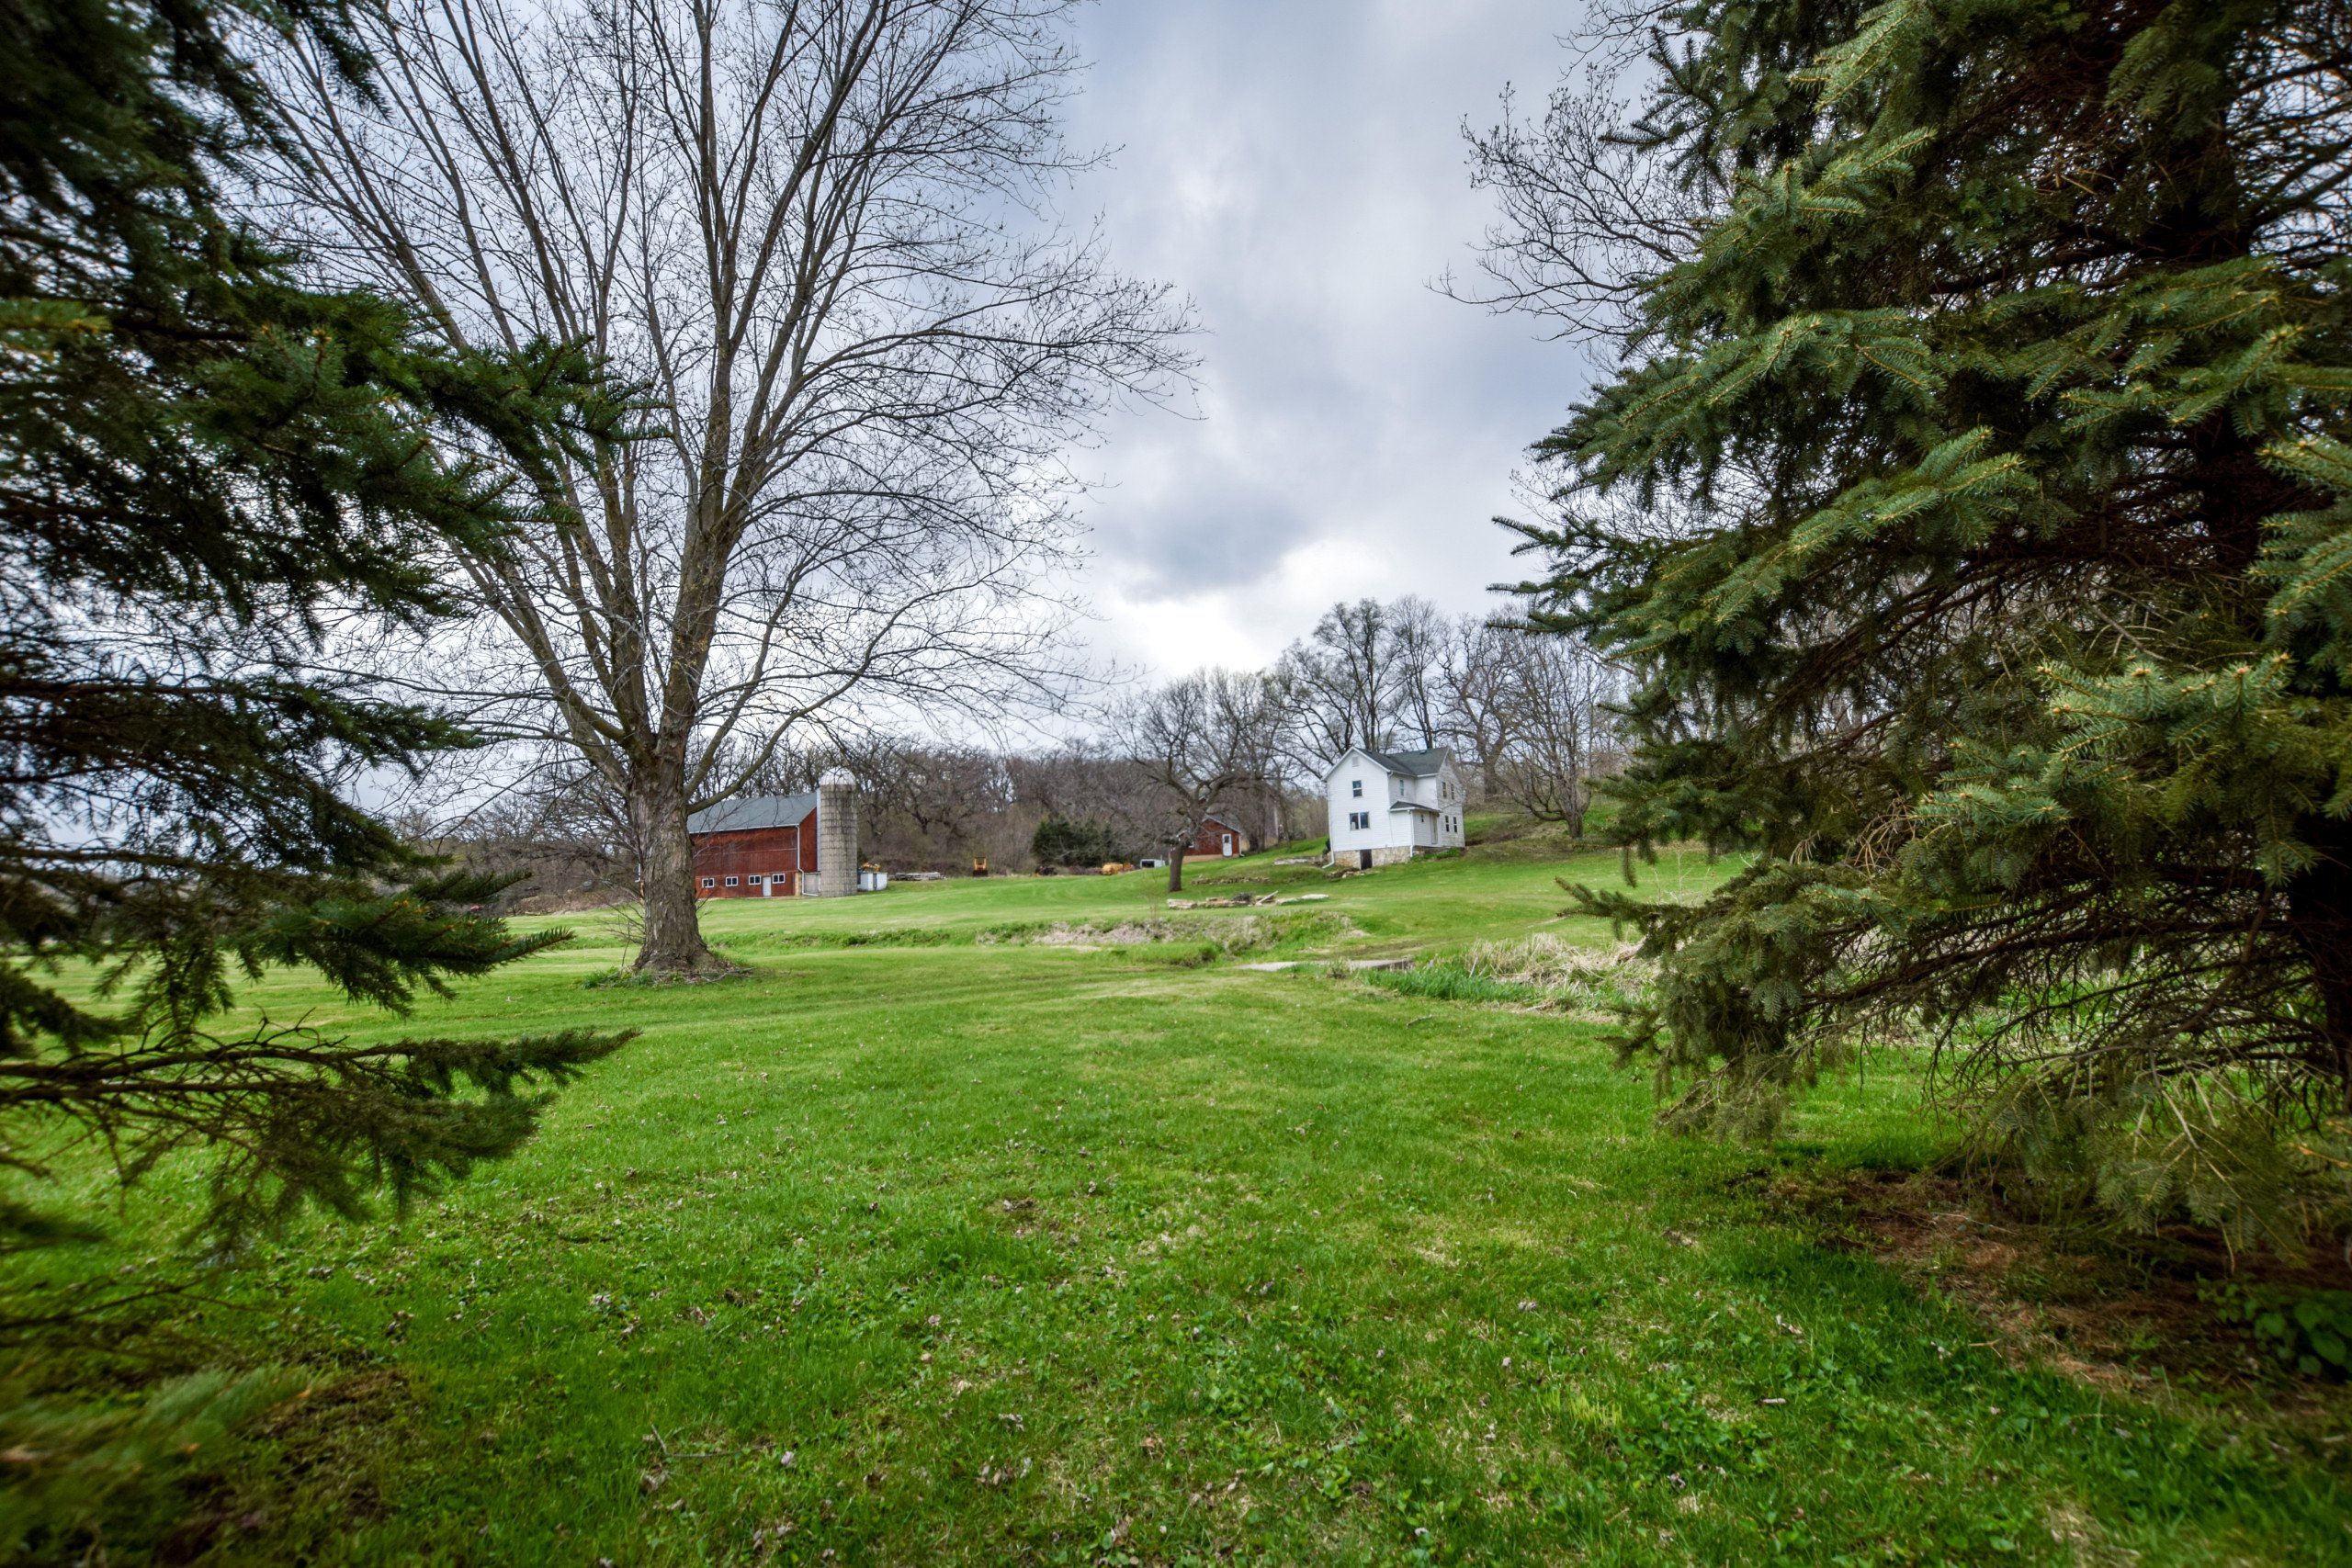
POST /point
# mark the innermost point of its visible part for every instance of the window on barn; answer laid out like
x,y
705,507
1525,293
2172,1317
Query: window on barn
x,y
732,881
710,882
753,880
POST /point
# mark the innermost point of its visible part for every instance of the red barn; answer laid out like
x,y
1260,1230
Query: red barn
x,y
758,848
1220,837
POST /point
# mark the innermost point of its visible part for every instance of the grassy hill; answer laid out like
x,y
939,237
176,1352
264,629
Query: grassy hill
x,y
931,1241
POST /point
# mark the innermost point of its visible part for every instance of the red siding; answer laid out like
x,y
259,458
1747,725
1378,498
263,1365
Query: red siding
x,y
1211,839
782,853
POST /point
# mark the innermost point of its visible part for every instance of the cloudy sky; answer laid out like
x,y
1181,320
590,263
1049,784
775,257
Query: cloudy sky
x,y
1295,166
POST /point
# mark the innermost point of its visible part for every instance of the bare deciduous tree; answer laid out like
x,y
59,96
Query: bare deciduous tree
x,y
1555,726
1370,674
819,233
1199,740
1589,217
1478,695
1339,684
929,805
556,824
1418,636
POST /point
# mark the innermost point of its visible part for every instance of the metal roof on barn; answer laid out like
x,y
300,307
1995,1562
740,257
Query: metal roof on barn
x,y
753,812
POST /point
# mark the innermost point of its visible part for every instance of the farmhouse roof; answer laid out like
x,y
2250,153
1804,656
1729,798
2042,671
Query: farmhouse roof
x,y
1413,764
753,811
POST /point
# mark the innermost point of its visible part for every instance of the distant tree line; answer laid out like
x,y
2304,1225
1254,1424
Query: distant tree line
x,y
1529,715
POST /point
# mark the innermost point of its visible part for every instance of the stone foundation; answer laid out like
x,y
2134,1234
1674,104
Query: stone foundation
x,y
1388,854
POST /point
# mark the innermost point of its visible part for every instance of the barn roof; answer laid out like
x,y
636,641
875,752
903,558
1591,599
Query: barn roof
x,y
753,811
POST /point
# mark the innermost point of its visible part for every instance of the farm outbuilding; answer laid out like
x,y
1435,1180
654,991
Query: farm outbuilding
x,y
1221,837
779,846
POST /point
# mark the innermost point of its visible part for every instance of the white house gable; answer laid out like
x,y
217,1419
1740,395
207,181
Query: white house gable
x,y
1390,805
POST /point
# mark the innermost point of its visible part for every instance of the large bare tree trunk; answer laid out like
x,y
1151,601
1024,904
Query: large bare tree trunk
x,y
1176,871
673,942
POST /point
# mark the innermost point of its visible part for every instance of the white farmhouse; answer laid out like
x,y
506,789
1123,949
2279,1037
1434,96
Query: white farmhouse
x,y
1391,805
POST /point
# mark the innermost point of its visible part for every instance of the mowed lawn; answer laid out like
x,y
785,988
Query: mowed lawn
x,y
926,1249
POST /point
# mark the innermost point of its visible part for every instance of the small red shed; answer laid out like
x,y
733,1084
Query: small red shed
x,y
1220,837
758,848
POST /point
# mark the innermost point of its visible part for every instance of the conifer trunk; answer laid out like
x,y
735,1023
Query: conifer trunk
x,y
2318,904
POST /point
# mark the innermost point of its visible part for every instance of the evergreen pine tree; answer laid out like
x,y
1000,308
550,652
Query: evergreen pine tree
x,y
1061,841
207,473
1974,504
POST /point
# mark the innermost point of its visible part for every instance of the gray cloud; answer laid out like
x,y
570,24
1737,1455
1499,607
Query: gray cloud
x,y
1297,169
1206,533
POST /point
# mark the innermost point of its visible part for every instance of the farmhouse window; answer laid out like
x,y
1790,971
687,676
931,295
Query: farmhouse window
x,y
1357,785
1359,819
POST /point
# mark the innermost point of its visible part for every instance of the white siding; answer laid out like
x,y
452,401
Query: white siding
x,y
1361,797
1358,772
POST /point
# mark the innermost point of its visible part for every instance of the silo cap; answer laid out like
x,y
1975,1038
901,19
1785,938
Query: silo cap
x,y
838,778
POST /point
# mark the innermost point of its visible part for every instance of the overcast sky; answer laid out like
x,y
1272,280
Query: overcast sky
x,y
1295,166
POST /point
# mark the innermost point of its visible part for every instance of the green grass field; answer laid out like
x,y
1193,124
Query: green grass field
x,y
950,1246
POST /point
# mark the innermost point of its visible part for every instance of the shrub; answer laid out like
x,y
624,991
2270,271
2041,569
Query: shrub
x,y
1060,841
2310,1331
